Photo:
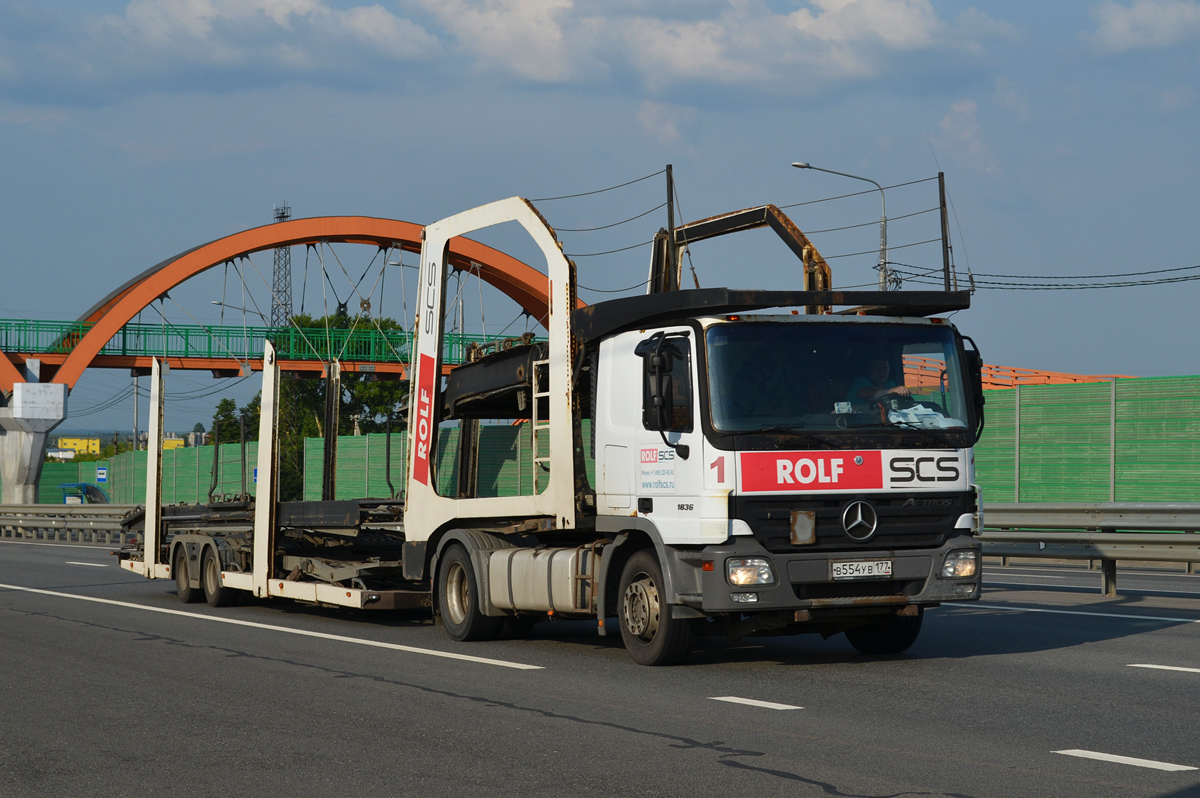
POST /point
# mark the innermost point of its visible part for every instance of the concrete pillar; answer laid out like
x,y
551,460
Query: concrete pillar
x,y
33,410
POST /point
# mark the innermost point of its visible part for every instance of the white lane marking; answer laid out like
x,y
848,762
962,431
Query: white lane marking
x,y
285,629
1093,587
92,546
753,702
90,564
1124,760
1168,668
1071,612
1032,584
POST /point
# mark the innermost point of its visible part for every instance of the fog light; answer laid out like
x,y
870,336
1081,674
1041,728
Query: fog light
x,y
964,588
743,598
961,564
749,571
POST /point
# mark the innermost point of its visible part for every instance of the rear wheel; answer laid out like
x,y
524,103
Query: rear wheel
x,y
215,592
457,598
187,593
889,637
652,635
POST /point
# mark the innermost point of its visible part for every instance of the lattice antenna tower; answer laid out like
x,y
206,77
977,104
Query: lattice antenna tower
x,y
281,278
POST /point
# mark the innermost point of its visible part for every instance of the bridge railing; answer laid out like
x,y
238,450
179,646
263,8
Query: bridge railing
x,y
368,344
1104,531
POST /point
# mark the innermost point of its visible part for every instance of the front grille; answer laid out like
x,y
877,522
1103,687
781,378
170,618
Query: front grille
x,y
860,589
899,527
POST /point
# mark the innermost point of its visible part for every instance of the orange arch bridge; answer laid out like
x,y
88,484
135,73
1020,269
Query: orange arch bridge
x,y
519,281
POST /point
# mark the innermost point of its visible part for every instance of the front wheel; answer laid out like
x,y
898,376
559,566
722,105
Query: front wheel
x,y
183,582
652,635
215,592
889,637
457,602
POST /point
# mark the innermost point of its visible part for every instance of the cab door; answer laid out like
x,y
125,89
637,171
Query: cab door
x,y
668,471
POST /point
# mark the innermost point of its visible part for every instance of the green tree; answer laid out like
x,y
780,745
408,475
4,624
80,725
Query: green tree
x,y
302,407
225,422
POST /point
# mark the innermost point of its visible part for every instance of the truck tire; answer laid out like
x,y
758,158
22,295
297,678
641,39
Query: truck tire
x,y
652,635
888,637
187,593
215,592
457,604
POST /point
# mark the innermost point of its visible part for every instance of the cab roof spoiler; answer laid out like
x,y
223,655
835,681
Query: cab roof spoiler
x,y
645,310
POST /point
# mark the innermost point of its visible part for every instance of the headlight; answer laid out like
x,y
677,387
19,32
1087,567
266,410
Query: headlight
x,y
961,564
749,571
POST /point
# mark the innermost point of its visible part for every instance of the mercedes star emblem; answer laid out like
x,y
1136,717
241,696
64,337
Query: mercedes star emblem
x,y
859,520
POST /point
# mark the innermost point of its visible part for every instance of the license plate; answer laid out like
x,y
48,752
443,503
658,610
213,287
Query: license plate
x,y
860,569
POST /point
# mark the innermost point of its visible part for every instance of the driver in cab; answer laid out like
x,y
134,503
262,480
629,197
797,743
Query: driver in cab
x,y
876,384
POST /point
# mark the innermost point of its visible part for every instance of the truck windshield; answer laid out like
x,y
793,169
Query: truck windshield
x,y
765,375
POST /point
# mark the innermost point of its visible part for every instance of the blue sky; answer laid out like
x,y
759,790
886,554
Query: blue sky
x,y
1067,132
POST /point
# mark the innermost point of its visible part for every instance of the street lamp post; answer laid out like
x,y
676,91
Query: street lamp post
x,y
883,261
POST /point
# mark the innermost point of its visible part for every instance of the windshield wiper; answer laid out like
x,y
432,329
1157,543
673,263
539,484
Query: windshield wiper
x,y
783,429
935,435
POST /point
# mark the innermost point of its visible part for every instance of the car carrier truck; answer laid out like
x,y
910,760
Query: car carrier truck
x,y
702,462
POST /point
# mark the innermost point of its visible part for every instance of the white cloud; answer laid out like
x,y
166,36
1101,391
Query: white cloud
x,y
663,120
225,27
1145,24
164,20
204,44
962,135
1010,97
732,43
659,47
524,37
899,24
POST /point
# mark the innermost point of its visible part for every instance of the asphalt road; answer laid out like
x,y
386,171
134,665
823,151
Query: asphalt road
x,y
111,686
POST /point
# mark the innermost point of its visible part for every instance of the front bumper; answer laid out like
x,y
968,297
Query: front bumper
x,y
803,580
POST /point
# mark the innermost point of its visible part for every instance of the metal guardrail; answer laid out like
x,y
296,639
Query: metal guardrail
x,y
1108,532
65,523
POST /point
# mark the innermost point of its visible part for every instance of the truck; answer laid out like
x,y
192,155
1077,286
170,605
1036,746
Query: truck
x,y
700,462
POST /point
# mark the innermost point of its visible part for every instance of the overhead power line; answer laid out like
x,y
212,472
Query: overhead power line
x,y
599,190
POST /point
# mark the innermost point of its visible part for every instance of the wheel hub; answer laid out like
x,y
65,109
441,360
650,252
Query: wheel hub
x,y
458,593
642,608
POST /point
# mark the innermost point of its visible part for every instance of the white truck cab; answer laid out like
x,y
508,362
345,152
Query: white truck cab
x,y
707,461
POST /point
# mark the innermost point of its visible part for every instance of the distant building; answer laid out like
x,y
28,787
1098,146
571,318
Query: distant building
x,y
60,454
173,443
80,445
197,438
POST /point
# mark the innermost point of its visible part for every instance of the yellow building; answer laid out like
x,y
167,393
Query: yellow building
x,y
172,443
80,445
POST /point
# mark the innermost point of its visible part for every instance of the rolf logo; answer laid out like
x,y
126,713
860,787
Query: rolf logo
x,y
805,470
657,455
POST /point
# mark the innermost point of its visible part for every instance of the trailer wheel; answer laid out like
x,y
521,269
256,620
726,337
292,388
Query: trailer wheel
x,y
183,586
652,635
457,602
889,637
215,592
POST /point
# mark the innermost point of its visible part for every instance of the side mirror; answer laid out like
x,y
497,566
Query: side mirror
x,y
657,363
974,368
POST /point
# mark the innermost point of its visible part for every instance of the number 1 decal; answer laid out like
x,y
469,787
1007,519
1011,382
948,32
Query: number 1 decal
x,y
719,465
